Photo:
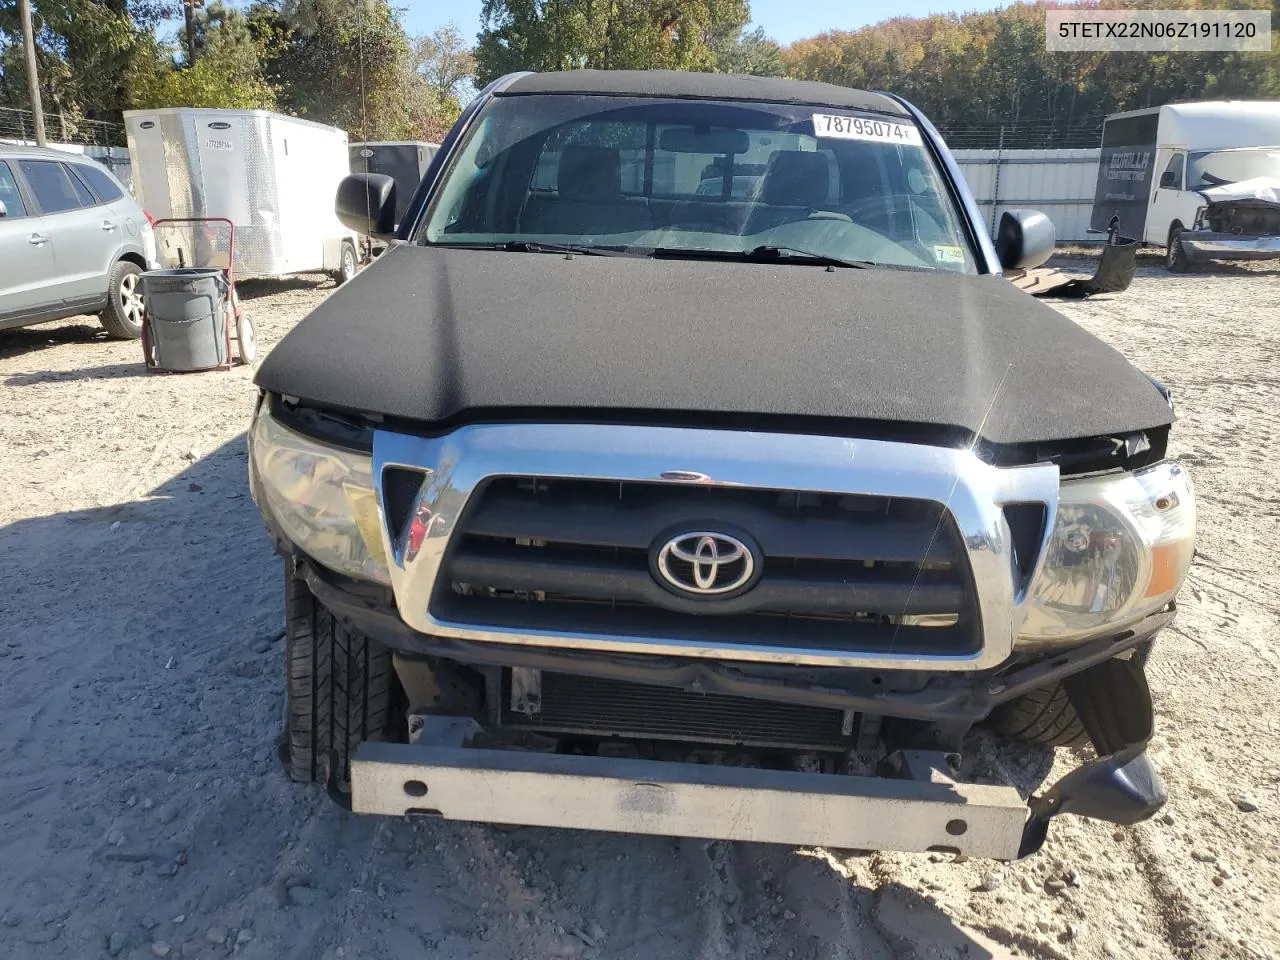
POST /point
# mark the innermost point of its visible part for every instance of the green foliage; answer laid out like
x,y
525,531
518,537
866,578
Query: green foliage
x,y
227,72
208,83
994,66
751,52
605,34
86,51
345,62
350,64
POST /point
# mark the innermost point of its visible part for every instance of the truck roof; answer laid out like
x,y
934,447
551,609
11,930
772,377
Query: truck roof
x,y
700,86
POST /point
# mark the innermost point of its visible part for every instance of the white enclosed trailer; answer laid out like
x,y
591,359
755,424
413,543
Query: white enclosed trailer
x,y
1200,179
273,176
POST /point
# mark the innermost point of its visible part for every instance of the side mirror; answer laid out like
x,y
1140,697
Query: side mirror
x,y
366,203
4,211
1024,239
1169,180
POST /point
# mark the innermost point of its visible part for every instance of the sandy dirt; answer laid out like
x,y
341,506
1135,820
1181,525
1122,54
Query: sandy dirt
x,y
143,812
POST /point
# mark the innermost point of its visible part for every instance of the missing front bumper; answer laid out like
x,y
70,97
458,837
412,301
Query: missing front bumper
x,y
435,776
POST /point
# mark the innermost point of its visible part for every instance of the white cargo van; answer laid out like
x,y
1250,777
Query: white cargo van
x,y
1200,179
271,175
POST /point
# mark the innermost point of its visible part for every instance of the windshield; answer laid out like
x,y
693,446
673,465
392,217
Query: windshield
x,y
1213,167
697,178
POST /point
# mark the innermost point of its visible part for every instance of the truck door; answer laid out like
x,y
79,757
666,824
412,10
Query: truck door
x,y
1169,199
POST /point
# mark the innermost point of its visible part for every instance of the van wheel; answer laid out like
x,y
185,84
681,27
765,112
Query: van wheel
x,y
123,317
339,690
1175,257
350,263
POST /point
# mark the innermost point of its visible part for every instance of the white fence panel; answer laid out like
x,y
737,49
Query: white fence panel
x,y
1060,183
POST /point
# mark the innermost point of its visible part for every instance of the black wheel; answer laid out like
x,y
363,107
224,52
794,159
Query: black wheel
x,y
1042,716
350,263
122,318
1175,257
340,687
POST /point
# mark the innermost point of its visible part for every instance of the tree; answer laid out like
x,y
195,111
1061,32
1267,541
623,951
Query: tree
x,y
445,62
341,62
444,67
227,71
750,52
993,68
604,34
87,51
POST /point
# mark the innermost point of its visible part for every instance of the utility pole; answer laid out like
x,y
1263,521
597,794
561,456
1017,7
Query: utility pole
x,y
33,79
188,11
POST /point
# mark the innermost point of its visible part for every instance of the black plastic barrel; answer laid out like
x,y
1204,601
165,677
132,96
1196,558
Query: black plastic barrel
x,y
187,311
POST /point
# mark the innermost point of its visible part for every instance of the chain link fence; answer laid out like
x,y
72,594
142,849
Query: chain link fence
x,y
1079,133
17,124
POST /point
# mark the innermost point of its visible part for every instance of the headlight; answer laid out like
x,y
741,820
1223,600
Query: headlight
x,y
321,496
1120,549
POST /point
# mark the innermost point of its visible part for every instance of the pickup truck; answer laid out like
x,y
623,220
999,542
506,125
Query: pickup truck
x,y
608,502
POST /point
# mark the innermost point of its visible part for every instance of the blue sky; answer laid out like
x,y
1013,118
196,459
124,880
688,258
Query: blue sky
x,y
784,20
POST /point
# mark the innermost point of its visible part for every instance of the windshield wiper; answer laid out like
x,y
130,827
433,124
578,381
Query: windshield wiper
x,y
773,252
537,246
768,253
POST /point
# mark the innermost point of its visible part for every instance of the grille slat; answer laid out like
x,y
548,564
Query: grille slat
x,y
633,525
627,578
838,572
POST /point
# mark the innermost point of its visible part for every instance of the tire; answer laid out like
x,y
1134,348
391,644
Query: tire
x,y
350,263
246,339
1175,257
339,693
1043,716
122,318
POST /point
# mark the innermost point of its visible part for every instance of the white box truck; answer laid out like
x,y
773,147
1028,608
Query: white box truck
x,y
273,176
1200,179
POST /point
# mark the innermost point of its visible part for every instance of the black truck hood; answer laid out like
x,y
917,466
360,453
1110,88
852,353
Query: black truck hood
x,y
432,334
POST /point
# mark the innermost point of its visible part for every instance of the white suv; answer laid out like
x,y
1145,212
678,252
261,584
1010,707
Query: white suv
x,y
72,241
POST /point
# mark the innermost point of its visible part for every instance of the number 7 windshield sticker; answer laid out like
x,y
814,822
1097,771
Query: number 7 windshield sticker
x,y
865,128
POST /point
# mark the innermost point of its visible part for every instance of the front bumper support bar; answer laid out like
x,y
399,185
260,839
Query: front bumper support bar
x,y
686,799
437,776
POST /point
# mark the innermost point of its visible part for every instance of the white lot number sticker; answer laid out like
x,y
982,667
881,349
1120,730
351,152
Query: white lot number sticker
x,y
865,128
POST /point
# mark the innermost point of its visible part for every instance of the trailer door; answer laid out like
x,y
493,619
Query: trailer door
x,y
1124,175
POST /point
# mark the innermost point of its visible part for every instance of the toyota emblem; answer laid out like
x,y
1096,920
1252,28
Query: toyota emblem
x,y
704,563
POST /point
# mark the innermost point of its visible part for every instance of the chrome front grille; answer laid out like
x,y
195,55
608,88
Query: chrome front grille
x,y
840,572
873,553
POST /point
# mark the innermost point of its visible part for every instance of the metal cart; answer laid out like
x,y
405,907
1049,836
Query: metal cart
x,y
195,246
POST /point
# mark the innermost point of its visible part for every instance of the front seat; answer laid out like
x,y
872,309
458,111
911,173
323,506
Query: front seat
x,y
590,201
795,184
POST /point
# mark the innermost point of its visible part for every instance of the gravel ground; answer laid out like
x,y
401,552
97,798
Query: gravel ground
x,y
143,813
